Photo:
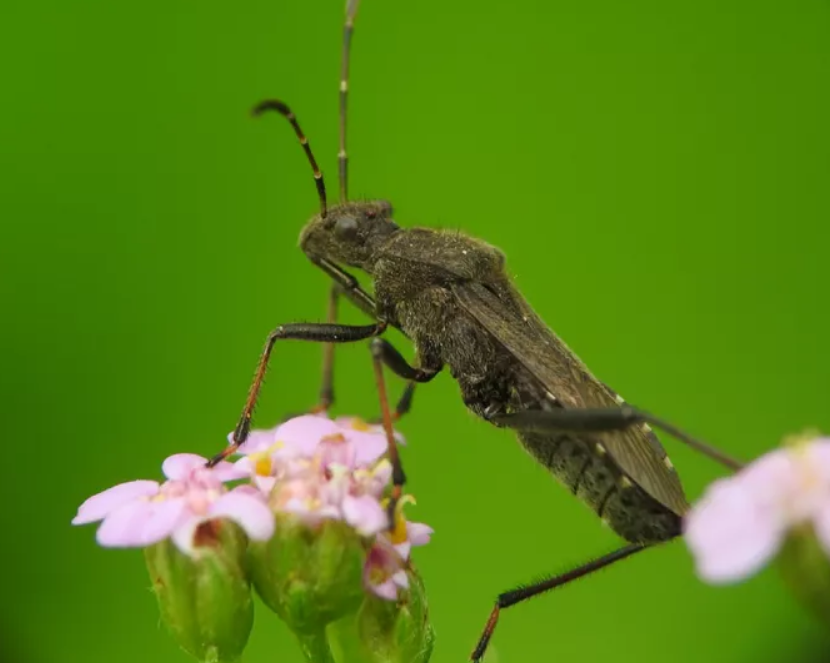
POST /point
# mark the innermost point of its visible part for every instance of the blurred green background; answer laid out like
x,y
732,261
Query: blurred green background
x,y
657,174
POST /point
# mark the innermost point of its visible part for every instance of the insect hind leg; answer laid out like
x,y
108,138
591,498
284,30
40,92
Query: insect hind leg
x,y
525,592
595,420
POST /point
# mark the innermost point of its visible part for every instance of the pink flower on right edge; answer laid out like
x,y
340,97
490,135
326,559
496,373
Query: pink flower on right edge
x,y
741,521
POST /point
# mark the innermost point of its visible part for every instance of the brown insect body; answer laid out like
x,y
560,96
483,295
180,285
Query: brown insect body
x,y
450,294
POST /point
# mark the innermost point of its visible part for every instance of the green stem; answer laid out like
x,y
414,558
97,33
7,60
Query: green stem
x,y
315,647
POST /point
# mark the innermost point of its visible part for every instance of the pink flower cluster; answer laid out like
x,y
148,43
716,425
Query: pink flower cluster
x,y
341,476
311,466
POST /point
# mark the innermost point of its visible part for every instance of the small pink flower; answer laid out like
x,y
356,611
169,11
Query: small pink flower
x,y
317,469
741,521
384,572
404,535
345,441
141,513
417,534
369,439
297,437
320,493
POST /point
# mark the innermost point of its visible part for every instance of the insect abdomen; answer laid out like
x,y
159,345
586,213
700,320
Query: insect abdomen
x,y
585,468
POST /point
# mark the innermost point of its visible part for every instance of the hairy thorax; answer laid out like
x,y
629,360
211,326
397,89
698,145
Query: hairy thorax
x,y
416,296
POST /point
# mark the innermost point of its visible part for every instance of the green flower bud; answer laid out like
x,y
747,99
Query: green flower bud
x,y
309,575
205,600
805,568
386,631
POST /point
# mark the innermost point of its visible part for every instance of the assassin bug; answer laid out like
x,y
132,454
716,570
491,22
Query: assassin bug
x,y
450,295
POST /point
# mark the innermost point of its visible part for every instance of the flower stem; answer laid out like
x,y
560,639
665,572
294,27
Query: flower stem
x,y
315,647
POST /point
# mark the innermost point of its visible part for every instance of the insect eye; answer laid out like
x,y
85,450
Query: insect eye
x,y
345,228
371,214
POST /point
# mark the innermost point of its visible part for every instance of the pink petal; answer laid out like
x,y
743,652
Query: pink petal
x,y
98,506
124,528
248,488
258,440
818,454
300,508
386,590
374,481
382,475
771,478
179,466
418,534
184,535
365,514
404,549
349,422
165,516
341,452
401,579
264,484
368,446
248,510
225,471
729,536
302,434
821,526
244,465
182,467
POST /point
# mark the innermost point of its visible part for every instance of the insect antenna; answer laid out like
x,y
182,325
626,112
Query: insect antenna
x,y
342,156
288,114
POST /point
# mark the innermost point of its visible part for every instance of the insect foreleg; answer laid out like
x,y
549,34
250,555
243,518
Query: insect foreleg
x,y
319,333
348,286
586,420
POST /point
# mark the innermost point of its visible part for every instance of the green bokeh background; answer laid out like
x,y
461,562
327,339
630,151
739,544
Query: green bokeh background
x,y
657,174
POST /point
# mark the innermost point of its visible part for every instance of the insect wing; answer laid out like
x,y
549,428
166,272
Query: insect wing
x,y
542,354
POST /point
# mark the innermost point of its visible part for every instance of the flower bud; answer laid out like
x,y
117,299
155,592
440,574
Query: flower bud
x,y
397,631
309,575
805,568
205,599
384,631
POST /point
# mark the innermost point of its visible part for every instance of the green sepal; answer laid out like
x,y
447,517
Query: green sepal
x,y
205,600
385,631
309,576
805,567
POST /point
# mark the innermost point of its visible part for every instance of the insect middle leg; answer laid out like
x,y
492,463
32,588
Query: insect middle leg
x,y
384,353
525,592
326,398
